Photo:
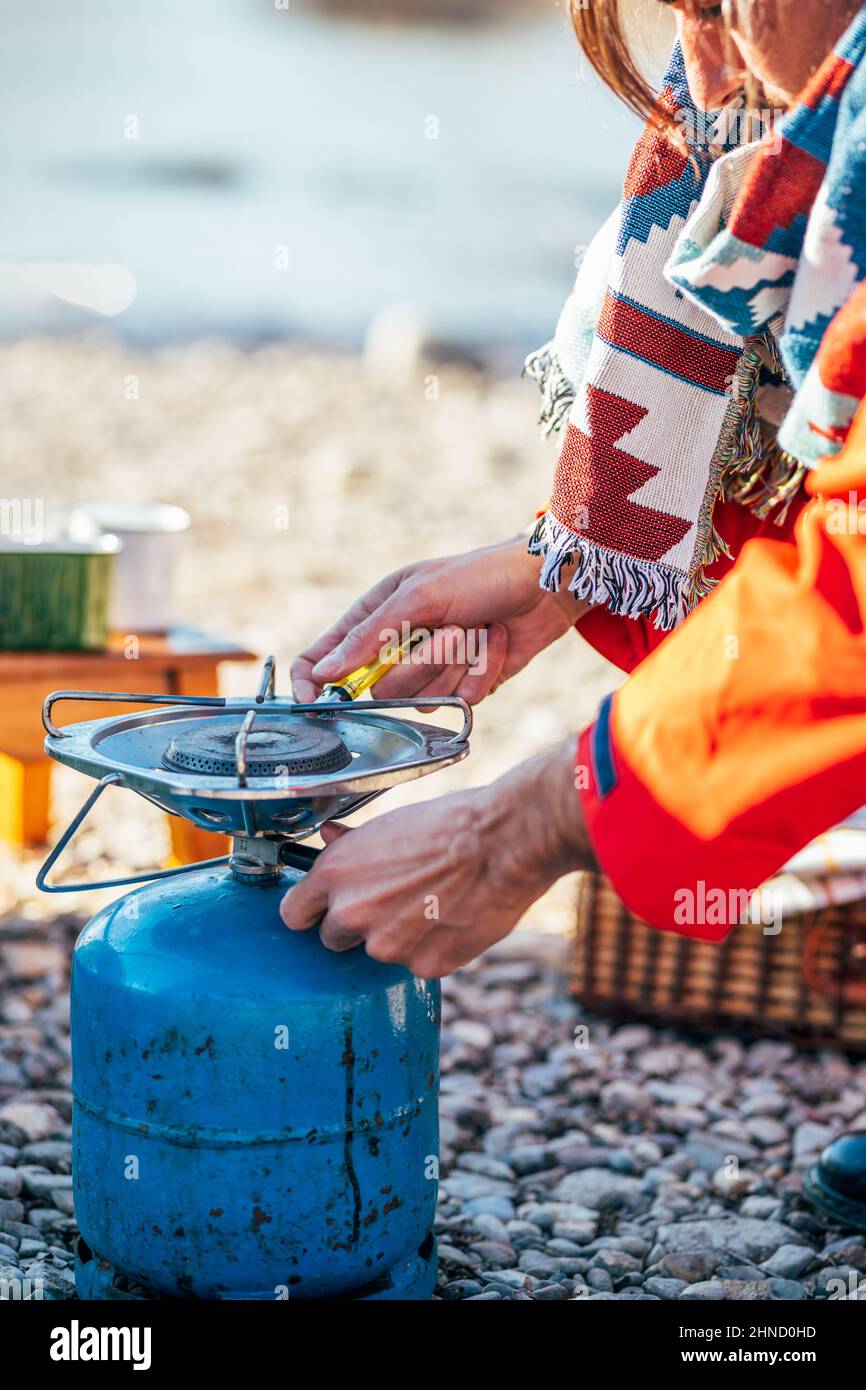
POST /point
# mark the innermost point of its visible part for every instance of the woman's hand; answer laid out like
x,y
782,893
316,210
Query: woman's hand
x,y
433,885
485,610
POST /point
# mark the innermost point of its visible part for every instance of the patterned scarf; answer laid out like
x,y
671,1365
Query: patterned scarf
x,y
697,309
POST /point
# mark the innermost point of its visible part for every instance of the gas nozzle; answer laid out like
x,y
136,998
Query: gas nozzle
x,y
351,686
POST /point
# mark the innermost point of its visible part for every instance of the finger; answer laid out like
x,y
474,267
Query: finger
x,y
441,951
437,662
304,688
332,830
443,684
335,937
397,941
302,666
482,676
306,903
374,634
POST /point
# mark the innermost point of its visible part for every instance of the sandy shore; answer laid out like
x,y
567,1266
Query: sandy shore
x,y
371,473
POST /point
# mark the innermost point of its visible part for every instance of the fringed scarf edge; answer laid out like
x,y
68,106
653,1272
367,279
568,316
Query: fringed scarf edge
x,y
627,587
558,391
748,467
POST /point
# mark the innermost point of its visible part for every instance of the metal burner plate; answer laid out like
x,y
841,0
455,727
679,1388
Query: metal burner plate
x,y
275,748
381,751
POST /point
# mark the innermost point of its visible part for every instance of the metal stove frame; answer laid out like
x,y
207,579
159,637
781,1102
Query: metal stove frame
x,y
278,847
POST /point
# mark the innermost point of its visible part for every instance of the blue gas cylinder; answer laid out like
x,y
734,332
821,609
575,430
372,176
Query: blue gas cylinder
x,y
255,1117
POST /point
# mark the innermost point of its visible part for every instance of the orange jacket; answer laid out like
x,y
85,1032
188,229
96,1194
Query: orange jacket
x,y
743,734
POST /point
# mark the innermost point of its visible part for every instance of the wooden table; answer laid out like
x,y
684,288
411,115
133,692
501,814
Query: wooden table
x,y
183,661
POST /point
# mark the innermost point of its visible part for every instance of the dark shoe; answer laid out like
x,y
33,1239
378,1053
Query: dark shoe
x,y
836,1184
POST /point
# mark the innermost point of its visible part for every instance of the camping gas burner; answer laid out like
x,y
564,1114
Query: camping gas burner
x,y
274,748
263,770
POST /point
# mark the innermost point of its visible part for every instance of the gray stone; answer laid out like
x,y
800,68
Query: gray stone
x,y
647,1151
511,1278
574,1153
693,1266
847,1251
599,1189
770,1104
787,1290
766,1131
31,1247
621,1161
523,1230
55,1154
493,1205
667,1289
710,1151
708,1291
559,1246
474,1034
660,1061
494,1252
633,1245
451,1257
56,1283
835,1278
745,1272
538,1263
578,1232
600,1280
14,1230
471,1185
530,1158
623,1097
747,1290
63,1200
546,1215
10,1182
789,1261
673,1093
46,1218
34,1120
41,1184
763,1207
485,1165
490,1226
810,1138
616,1263
632,1037
461,1288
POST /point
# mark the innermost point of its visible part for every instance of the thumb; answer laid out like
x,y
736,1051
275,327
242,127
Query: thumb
x,y
306,903
381,632
331,831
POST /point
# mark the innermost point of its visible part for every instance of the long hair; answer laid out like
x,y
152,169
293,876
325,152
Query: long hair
x,y
601,32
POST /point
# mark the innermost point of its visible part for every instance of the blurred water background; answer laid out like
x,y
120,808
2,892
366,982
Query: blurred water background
x,y
266,172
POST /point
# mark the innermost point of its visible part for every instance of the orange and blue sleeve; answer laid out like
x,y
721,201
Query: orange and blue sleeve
x,y
743,734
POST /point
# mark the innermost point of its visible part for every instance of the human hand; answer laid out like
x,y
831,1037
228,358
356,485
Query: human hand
x,y
484,610
433,885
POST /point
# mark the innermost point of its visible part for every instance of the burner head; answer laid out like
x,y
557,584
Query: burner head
x,y
276,747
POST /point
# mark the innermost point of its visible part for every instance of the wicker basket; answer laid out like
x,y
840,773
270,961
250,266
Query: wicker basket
x,y
807,984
